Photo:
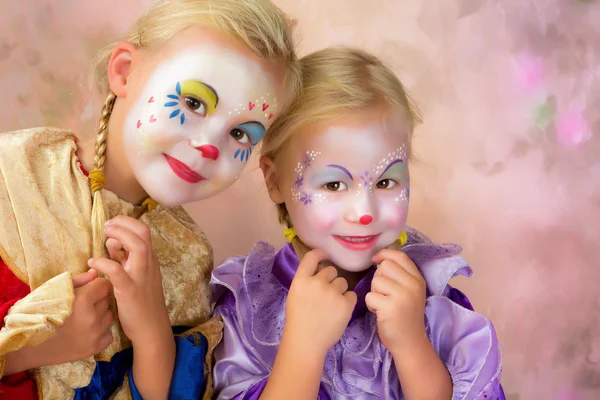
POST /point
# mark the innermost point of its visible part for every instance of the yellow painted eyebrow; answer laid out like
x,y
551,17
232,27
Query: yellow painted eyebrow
x,y
203,92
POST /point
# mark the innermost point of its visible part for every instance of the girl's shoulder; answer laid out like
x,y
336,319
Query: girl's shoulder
x,y
236,273
40,136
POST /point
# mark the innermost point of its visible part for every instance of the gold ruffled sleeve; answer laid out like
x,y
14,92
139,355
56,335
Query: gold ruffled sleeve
x,y
35,318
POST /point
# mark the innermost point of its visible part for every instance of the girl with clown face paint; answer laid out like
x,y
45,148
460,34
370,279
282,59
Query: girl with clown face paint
x,y
356,305
190,92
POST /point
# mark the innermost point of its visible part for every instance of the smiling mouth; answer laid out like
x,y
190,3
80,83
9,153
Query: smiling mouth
x,y
183,171
358,243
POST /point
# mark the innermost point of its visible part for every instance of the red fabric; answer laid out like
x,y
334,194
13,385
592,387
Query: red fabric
x,y
21,385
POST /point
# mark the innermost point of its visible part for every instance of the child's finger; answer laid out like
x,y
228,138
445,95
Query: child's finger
x,y
138,227
350,295
327,273
399,258
118,276
374,301
310,261
393,271
340,284
115,248
137,249
384,285
85,278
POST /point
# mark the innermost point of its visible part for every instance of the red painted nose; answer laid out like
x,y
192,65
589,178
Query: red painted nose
x,y
209,151
365,219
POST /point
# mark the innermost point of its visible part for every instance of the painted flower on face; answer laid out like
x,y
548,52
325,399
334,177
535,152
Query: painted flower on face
x,y
366,178
307,160
299,181
177,103
306,198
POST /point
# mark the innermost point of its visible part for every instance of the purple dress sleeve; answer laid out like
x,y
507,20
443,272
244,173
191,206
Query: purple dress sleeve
x,y
238,372
465,341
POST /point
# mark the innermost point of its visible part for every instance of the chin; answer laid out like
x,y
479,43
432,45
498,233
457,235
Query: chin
x,y
359,264
166,201
171,196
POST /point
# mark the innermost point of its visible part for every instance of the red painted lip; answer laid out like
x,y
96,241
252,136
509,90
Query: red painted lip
x,y
183,171
367,244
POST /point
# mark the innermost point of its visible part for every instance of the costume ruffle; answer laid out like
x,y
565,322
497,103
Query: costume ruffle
x,y
251,301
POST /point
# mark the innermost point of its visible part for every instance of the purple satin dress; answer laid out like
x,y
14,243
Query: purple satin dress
x,y
251,293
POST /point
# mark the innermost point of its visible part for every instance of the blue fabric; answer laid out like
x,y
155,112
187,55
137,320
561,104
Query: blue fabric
x,y
107,378
189,380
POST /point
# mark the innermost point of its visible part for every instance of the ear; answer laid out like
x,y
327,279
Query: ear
x,y
120,66
271,179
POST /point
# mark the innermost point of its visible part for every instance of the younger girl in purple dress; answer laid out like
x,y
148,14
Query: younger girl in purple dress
x,y
368,312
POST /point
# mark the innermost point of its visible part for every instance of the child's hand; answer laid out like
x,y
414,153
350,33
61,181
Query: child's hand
x,y
84,333
136,279
318,306
397,297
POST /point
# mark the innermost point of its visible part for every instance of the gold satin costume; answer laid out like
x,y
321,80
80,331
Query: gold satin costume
x,y
45,239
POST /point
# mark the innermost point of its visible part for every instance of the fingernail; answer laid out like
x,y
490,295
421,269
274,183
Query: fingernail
x,y
90,262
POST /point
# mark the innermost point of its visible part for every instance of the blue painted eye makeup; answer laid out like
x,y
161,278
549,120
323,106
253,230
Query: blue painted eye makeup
x,y
255,131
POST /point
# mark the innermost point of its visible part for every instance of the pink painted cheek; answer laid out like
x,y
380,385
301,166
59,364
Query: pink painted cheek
x,y
316,218
393,214
324,216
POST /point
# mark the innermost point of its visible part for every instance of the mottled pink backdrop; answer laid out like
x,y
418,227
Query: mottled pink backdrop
x,y
508,156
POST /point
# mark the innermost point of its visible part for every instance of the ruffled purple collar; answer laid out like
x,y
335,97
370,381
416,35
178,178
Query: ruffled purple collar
x,y
418,247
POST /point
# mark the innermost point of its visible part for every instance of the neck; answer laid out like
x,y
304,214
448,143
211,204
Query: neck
x,y
351,277
119,177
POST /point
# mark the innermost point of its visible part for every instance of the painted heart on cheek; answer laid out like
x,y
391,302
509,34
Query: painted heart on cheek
x,y
139,124
265,106
151,100
251,105
270,116
152,119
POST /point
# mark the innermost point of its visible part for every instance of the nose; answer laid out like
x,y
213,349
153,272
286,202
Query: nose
x,y
208,151
361,208
365,219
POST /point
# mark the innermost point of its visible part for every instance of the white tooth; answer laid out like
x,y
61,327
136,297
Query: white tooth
x,y
357,240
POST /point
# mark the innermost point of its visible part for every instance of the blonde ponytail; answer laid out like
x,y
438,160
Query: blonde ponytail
x,y
97,179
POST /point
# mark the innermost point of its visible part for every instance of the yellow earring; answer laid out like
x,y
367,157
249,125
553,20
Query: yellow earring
x,y
403,238
289,234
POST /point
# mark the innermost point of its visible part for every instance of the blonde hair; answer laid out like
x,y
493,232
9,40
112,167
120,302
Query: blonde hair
x,y
335,80
263,27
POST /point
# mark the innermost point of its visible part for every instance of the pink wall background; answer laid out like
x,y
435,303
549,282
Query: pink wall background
x,y
509,154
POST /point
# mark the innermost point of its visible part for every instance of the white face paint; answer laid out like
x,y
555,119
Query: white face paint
x,y
349,191
196,122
